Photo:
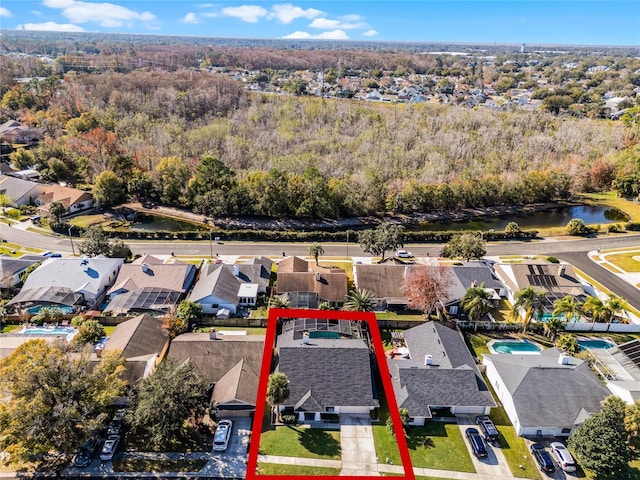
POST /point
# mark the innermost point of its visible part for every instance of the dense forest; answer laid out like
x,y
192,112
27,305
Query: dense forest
x,y
197,138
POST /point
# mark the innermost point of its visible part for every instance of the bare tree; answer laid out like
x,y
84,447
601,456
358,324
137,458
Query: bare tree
x,y
427,287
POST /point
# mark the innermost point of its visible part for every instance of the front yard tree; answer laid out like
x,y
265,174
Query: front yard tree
x,y
57,209
166,401
277,389
50,400
109,189
95,242
120,250
315,250
89,332
476,302
600,443
381,239
359,300
426,287
529,301
469,246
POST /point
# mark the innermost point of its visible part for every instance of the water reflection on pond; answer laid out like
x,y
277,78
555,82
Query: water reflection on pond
x,y
557,217
152,223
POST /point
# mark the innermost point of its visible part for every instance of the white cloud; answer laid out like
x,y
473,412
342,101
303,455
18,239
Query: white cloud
x,y
5,12
287,13
104,14
246,13
298,34
204,5
332,35
51,27
352,18
190,18
35,12
370,33
328,24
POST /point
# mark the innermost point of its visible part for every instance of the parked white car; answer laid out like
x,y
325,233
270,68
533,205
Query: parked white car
x,y
222,435
404,254
564,458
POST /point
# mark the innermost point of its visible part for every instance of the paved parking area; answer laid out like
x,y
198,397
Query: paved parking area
x,y
357,446
232,462
495,464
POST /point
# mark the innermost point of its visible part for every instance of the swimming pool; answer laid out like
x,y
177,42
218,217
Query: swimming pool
x,y
513,346
587,343
67,332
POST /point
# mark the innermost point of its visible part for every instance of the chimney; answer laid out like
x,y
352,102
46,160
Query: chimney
x,y
428,360
317,276
305,338
236,270
99,352
212,334
563,359
145,268
561,270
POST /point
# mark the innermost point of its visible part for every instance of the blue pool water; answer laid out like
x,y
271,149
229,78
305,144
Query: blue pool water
x,y
514,346
67,332
64,309
594,343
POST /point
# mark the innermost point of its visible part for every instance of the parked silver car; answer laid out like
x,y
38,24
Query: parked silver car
x,y
109,448
222,435
564,458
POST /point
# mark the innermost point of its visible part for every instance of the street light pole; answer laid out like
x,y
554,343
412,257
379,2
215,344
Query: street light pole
x,y
347,243
210,244
73,251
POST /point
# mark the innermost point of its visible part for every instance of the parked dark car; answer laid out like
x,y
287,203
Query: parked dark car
x,y
114,428
85,454
487,428
545,462
476,442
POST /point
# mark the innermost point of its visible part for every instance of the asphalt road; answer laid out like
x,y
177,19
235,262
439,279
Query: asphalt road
x,y
572,251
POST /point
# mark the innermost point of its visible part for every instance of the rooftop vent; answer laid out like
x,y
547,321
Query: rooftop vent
x,y
145,268
563,359
305,338
236,270
428,360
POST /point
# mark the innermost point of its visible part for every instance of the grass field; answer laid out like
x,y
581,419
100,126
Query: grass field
x,y
626,261
291,441
278,469
437,445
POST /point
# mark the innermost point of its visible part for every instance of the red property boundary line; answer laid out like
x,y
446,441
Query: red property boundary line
x,y
265,370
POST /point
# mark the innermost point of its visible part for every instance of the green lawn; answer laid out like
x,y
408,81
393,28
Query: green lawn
x,y
625,261
10,328
477,343
503,312
108,330
418,317
249,330
86,220
278,469
162,465
290,441
437,445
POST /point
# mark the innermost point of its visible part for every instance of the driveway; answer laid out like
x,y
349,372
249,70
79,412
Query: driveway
x,y
495,464
232,462
357,446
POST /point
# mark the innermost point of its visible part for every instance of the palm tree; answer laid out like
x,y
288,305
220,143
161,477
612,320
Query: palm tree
x,y
528,300
616,305
315,250
553,326
568,307
279,301
476,302
359,300
600,312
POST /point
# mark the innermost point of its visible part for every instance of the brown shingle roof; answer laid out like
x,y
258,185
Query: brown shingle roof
x,y
293,264
66,195
384,281
142,335
330,286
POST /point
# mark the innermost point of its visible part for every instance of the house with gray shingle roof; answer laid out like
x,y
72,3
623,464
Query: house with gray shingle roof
x,y
548,394
230,362
229,286
473,275
12,268
434,370
20,192
328,364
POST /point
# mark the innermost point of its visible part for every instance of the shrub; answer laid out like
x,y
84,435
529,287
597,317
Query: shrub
x,y
13,213
289,419
576,226
633,226
553,260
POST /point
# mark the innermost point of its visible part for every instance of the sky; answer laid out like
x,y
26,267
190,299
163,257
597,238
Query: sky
x,y
576,22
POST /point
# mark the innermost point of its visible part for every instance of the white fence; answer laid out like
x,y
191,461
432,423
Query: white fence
x,y
602,327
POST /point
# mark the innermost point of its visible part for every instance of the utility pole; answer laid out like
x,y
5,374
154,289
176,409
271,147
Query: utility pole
x,y
73,251
210,244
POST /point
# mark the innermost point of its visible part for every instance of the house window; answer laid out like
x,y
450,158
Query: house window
x,y
330,409
453,310
566,431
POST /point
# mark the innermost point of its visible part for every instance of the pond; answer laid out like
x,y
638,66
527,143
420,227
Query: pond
x,y
153,223
557,217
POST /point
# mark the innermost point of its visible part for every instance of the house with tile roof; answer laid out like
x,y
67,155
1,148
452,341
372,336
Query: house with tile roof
x,y
328,364
75,201
548,394
143,341
150,285
71,282
228,361
222,286
308,285
433,370
553,280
